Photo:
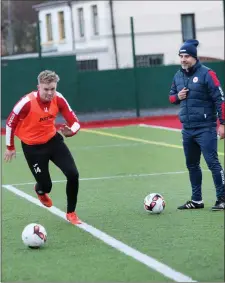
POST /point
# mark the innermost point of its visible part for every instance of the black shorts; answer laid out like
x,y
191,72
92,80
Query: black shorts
x,y
55,150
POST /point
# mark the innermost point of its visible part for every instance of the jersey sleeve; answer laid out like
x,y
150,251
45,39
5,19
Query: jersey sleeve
x,y
68,113
19,112
216,92
173,96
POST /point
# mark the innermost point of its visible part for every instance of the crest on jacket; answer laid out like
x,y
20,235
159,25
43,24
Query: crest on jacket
x,y
195,79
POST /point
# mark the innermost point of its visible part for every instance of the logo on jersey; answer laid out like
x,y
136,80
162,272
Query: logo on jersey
x,y
46,118
222,177
11,119
195,79
221,92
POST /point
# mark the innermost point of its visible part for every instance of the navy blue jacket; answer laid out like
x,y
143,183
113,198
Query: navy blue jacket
x,y
205,98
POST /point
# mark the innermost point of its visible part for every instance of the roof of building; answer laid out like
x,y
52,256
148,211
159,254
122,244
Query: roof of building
x,y
52,3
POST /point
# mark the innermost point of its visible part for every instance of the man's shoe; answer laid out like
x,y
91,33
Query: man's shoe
x,y
73,218
219,205
44,199
191,205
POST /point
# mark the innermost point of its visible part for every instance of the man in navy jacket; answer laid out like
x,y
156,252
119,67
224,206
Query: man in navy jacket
x,y
197,89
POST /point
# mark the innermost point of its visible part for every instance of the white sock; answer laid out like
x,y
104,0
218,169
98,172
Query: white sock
x,y
198,202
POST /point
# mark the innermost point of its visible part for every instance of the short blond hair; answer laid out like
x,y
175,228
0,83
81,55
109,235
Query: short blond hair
x,y
47,77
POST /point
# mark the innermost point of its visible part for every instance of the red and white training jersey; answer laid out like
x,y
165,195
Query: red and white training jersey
x,y
22,109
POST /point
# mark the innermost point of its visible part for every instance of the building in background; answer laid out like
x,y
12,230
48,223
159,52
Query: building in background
x,y
102,33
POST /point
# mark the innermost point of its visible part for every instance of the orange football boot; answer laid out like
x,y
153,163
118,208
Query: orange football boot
x,y
44,199
73,218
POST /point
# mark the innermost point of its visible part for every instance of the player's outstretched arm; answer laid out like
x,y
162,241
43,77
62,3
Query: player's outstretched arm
x,y
73,125
20,110
9,155
67,131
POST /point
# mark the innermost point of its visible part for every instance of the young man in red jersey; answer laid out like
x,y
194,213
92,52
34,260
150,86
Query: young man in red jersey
x,y
32,120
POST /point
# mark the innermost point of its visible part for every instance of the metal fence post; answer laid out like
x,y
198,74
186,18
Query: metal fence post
x,y
135,68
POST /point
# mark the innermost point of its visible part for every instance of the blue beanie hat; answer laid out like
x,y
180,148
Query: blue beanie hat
x,y
190,47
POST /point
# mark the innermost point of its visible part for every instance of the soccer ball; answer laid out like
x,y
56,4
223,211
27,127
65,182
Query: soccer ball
x,y
154,203
34,236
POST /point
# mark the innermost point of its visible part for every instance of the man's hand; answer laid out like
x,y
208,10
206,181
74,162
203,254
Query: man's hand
x,y
66,131
221,131
9,154
183,93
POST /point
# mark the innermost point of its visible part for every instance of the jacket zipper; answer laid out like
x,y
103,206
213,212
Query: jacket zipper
x,y
186,85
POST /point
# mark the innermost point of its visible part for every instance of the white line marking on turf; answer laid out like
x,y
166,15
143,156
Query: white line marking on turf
x,y
104,146
77,148
120,246
172,129
112,177
160,127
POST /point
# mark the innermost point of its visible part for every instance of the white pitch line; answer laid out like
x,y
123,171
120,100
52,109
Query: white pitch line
x,y
98,146
104,146
160,127
120,144
175,130
112,177
154,264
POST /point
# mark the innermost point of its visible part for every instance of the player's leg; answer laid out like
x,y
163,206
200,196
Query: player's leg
x,y
37,158
62,157
207,139
192,155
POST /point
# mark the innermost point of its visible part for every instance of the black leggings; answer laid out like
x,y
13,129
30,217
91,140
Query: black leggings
x,y
56,150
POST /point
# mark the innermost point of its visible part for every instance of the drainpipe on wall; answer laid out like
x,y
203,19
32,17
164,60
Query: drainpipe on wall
x,y
75,89
113,32
72,24
39,47
224,12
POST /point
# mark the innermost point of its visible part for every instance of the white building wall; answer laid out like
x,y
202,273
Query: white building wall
x,y
157,30
62,46
89,39
88,47
95,46
147,40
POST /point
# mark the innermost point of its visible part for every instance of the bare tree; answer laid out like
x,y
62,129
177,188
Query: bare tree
x,y
18,26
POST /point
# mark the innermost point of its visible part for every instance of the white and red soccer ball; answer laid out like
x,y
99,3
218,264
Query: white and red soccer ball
x,y
154,203
34,236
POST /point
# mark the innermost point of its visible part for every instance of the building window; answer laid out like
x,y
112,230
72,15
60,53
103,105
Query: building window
x,y
87,65
188,26
95,20
149,60
49,27
81,21
61,25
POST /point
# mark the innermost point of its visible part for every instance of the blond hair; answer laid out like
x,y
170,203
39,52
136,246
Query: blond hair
x,y
47,77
